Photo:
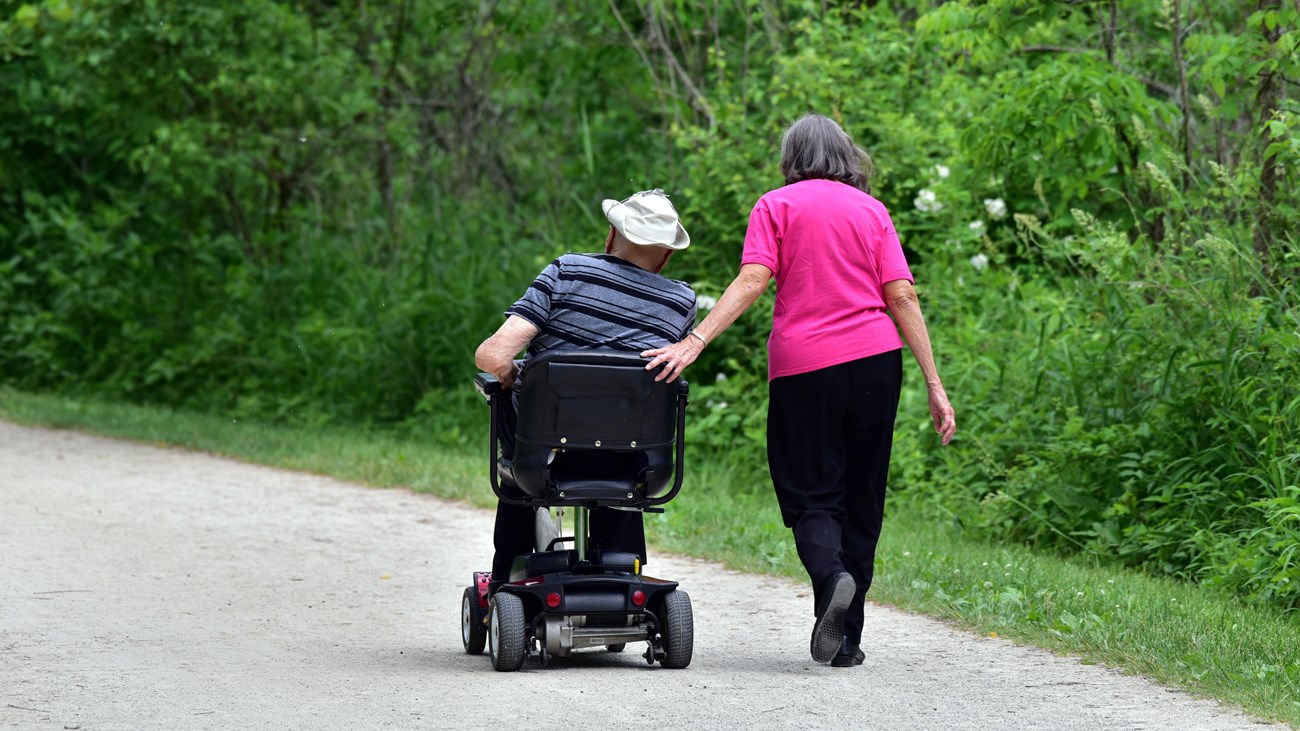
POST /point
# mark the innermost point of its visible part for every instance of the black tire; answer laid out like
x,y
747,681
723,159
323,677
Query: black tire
x,y
616,647
506,632
678,630
473,627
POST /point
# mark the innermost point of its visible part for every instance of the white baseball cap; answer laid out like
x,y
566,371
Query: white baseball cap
x,y
647,218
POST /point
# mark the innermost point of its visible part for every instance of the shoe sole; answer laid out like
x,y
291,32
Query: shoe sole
x,y
828,633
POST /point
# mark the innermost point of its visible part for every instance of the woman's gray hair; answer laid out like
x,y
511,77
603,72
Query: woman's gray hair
x,y
815,147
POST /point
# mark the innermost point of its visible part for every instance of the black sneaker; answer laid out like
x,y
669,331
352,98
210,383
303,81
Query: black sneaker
x,y
828,631
848,656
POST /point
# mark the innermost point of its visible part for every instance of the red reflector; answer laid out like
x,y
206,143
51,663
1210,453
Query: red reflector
x,y
553,600
638,598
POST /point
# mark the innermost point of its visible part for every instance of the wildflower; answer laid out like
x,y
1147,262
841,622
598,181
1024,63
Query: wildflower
x,y
705,302
980,262
720,378
721,405
977,225
996,207
986,563
926,201
994,635
1160,179
1079,594
1207,107
942,170
988,585
907,553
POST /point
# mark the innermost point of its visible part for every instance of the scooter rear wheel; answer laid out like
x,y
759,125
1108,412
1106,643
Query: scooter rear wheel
x,y
506,632
678,630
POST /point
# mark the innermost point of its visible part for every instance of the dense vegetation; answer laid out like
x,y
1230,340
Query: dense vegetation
x,y
314,211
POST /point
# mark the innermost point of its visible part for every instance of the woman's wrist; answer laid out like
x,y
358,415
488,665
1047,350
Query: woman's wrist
x,y
704,342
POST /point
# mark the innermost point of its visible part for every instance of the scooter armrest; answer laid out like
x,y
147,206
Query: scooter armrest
x,y
487,385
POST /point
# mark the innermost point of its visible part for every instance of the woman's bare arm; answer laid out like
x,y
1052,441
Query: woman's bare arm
x,y
903,304
743,291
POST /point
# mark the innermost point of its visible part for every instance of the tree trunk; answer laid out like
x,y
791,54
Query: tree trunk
x,y
1270,88
1181,65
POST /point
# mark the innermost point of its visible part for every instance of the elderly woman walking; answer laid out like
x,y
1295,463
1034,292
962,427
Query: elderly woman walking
x,y
834,364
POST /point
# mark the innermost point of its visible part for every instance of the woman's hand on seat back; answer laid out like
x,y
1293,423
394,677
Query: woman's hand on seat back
x,y
743,291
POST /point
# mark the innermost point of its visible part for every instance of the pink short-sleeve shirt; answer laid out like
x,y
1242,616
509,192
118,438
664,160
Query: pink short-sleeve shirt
x,y
831,248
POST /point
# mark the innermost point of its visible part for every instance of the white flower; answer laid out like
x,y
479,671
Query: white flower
x,y
942,170
988,585
996,207
980,262
926,201
977,225
720,378
705,302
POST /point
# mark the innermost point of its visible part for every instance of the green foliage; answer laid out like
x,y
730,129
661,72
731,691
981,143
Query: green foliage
x,y
314,213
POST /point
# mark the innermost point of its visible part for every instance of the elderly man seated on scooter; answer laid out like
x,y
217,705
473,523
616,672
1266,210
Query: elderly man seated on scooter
x,y
617,300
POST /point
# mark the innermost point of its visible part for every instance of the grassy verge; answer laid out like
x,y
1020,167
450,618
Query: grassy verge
x,y
1205,641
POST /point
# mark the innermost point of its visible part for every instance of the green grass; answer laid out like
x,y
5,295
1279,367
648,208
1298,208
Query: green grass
x,y
1205,641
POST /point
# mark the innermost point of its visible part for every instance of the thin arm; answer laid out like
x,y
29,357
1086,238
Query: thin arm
x,y
903,304
743,291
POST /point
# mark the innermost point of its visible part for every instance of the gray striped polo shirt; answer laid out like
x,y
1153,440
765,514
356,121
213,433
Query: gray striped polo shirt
x,y
589,301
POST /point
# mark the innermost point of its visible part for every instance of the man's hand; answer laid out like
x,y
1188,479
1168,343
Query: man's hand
x,y
506,376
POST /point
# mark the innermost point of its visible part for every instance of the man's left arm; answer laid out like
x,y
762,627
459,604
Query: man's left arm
x,y
497,354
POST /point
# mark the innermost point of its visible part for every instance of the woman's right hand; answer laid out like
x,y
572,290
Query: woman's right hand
x,y
675,358
740,294
941,413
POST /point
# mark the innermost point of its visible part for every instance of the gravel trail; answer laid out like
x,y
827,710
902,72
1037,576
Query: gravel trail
x,y
145,587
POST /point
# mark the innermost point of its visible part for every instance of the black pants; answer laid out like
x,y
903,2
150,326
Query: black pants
x,y
616,530
829,435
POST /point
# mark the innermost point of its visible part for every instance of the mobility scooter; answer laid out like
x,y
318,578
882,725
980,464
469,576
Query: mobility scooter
x,y
595,430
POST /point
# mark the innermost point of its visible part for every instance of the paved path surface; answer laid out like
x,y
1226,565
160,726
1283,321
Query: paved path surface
x,y
148,588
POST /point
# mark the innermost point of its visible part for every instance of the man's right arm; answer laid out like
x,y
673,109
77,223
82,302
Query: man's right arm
x,y
497,354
